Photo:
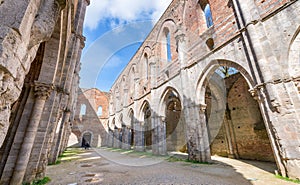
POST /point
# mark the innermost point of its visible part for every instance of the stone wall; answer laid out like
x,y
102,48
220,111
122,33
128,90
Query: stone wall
x,y
244,36
40,47
89,120
242,129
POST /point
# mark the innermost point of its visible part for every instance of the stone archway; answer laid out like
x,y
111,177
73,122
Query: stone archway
x,y
147,128
86,138
131,118
172,114
235,124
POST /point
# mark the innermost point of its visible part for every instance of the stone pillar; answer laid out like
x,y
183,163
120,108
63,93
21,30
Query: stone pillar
x,y
280,105
139,137
116,138
180,40
54,152
120,136
110,139
17,50
196,133
42,92
155,134
162,139
125,138
196,130
203,134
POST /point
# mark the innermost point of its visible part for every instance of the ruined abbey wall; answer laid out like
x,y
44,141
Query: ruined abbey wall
x,y
91,117
40,49
175,68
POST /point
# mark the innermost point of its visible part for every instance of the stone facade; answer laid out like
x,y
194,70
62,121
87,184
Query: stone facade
x,y
40,49
90,124
172,82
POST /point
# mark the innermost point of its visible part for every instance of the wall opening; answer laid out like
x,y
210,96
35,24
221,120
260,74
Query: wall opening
x,y
147,126
239,132
82,109
208,16
175,130
99,111
168,45
86,138
131,117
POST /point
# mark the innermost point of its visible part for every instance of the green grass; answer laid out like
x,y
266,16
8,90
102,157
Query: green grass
x,y
175,159
43,181
288,179
68,155
132,152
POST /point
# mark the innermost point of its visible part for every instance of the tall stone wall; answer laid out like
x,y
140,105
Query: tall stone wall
x,y
242,129
40,47
244,35
88,117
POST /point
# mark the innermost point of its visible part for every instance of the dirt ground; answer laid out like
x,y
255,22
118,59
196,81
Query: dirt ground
x,y
113,166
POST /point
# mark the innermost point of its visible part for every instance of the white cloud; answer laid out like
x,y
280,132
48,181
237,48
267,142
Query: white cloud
x,y
122,11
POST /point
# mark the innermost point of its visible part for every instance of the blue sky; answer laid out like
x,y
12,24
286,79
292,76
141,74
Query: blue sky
x,y
114,30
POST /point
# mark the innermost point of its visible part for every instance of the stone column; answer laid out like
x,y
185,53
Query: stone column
x,y
42,92
59,140
139,137
126,138
180,40
120,137
110,139
203,134
116,138
155,133
162,139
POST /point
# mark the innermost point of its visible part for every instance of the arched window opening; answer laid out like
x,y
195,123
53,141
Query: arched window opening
x,y
99,111
82,110
168,45
208,16
131,84
145,66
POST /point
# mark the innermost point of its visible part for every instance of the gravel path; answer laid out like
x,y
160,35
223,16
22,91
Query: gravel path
x,y
105,166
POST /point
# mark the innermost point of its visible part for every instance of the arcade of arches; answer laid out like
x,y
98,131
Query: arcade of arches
x,y
228,86
213,77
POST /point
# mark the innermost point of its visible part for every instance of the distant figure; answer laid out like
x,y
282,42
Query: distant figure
x,y
87,145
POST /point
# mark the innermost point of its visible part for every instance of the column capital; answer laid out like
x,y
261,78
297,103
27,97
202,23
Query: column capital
x,y
163,118
62,3
42,90
180,37
202,108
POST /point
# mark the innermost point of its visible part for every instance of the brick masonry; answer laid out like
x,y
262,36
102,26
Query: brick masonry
x,y
258,39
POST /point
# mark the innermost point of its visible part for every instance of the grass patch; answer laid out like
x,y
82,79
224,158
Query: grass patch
x,y
131,152
56,162
68,155
43,181
175,159
288,179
